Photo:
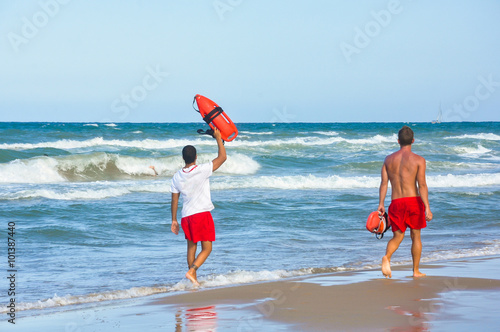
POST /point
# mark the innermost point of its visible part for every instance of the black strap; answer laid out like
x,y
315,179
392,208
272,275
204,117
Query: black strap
x,y
387,226
212,115
209,132
206,132
194,99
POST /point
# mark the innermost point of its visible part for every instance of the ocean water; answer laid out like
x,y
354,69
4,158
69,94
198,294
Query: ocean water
x,y
92,222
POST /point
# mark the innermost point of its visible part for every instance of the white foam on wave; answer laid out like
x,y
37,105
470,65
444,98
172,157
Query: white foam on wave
x,y
67,195
153,144
231,278
489,248
439,166
317,141
103,166
236,164
102,190
91,125
36,170
110,125
326,133
465,180
257,132
86,191
66,144
61,301
297,182
240,277
481,136
471,151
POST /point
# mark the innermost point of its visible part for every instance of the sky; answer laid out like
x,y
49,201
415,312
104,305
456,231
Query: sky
x,y
261,61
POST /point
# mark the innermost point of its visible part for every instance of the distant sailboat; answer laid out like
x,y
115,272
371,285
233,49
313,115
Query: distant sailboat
x,y
440,115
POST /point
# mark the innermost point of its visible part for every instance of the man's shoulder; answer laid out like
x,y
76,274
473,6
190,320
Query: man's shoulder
x,y
388,158
176,175
417,157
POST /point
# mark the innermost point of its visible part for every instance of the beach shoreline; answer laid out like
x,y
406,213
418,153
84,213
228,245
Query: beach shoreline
x,y
359,301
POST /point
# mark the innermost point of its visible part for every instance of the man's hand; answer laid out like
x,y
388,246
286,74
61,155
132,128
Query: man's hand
x,y
217,134
381,210
175,227
428,214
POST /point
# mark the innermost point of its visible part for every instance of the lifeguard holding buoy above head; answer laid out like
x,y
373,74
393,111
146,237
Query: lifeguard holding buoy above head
x,y
215,117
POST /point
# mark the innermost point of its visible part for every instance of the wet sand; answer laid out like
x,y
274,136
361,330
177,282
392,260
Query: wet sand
x,y
456,295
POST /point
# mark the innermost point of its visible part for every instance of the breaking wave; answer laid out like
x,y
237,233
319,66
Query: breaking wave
x,y
102,190
153,144
103,166
481,136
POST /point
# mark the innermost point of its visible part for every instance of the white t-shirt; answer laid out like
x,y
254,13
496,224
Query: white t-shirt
x,y
194,186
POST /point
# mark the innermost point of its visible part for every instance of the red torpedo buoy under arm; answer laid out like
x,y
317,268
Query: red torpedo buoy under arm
x,y
215,117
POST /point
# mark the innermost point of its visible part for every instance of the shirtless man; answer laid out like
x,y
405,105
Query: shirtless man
x,y
410,199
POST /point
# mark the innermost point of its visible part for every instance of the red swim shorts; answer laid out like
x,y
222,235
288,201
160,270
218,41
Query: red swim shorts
x,y
407,212
199,227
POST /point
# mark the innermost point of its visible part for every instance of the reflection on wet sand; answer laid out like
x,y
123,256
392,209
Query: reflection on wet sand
x,y
196,319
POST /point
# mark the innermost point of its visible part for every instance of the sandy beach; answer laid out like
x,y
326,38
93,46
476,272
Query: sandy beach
x,y
457,295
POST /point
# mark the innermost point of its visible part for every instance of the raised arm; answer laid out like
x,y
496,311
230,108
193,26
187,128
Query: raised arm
x,y
221,156
422,188
173,207
384,184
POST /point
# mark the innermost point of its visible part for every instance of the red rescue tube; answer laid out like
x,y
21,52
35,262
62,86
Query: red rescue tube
x,y
216,118
377,223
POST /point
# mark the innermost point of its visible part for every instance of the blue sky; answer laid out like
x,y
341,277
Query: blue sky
x,y
262,61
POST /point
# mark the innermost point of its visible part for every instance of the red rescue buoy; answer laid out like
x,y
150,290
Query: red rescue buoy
x,y
378,224
216,118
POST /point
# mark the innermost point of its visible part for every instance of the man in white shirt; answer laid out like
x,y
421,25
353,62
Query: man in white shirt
x,y
192,182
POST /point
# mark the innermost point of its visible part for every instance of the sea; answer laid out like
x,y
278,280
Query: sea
x,y
89,221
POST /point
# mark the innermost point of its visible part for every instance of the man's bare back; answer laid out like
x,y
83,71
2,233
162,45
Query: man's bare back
x,y
402,169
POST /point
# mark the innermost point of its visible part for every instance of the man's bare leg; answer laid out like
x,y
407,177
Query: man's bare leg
x,y
416,252
191,254
206,249
392,246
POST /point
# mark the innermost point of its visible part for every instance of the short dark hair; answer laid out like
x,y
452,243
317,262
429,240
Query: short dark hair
x,y
189,154
405,136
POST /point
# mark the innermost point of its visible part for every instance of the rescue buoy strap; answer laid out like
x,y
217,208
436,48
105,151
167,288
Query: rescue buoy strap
x,y
212,115
206,132
209,132
194,99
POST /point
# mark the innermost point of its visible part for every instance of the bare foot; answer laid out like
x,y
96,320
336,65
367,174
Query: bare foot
x,y
417,274
191,275
386,267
